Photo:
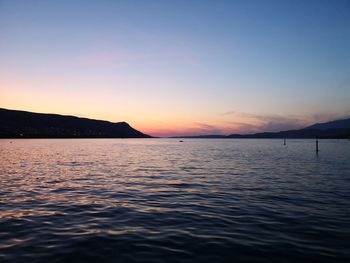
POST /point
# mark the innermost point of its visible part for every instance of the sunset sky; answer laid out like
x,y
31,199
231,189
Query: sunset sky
x,y
178,67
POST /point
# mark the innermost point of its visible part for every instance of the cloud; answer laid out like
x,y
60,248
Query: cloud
x,y
236,122
254,123
263,122
204,128
324,117
231,112
274,126
273,123
241,127
192,129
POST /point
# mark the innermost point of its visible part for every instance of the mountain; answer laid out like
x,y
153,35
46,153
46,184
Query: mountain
x,y
333,129
23,124
299,134
337,124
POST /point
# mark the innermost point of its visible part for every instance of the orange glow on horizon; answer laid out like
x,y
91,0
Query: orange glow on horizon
x,y
143,114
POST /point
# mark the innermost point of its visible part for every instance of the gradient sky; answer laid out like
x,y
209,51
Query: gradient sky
x,y
179,67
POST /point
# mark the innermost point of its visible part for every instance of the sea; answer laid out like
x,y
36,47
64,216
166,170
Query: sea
x,y
166,200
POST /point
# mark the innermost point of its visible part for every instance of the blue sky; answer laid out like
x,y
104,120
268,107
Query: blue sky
x,y
179,67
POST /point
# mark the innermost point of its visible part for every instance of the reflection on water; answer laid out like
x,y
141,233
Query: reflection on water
x,y
158,200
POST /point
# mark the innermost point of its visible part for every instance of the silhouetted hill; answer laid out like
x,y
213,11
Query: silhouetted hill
x,y
337,124
302,134
22,124
333,129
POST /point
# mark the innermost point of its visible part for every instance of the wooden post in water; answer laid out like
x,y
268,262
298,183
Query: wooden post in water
x,y
284,141
316,145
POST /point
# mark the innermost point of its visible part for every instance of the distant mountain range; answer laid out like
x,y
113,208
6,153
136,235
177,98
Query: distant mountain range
x,y
333,129
338,124
23,124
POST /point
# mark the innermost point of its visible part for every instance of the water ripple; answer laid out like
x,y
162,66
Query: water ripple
x,y
158,200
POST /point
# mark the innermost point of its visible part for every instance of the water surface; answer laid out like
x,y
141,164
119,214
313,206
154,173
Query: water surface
x,y
161,200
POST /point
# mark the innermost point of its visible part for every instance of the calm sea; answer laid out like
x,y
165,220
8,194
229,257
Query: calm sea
x,y
161,200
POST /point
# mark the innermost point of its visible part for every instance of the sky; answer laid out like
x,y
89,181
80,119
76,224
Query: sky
x,y
179,67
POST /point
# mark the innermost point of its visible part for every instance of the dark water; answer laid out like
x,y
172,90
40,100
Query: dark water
x,y
160,200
